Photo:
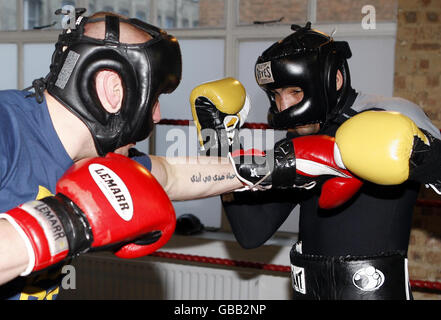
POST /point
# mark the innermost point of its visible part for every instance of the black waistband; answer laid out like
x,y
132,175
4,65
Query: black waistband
x,y
381,277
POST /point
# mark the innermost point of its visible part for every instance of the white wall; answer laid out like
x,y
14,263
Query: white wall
x,y
8,66
37,59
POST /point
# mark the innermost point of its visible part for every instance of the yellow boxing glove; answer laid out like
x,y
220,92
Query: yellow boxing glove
x,y
219,108
379,146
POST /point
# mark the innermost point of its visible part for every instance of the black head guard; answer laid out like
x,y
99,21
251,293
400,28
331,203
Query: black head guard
x,y
308,59
146,69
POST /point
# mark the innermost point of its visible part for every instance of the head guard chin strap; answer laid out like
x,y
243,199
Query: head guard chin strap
x,y
146,70
308,59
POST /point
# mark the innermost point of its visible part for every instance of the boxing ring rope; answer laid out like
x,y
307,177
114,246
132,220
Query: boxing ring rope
x,y
415,284
175,122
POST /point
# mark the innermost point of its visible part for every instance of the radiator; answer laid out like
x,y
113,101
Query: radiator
x,y
100,276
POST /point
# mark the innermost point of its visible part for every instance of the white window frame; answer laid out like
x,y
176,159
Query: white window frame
x,y
232,32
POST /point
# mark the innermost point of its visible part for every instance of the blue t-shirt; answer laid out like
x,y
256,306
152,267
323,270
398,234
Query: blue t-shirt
x,y
32,157
32,160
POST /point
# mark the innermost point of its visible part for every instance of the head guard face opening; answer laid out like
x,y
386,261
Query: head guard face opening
x,y
146,70
310,60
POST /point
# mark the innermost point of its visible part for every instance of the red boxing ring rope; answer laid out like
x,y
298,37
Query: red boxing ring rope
x,y
415,284
261,126
174,122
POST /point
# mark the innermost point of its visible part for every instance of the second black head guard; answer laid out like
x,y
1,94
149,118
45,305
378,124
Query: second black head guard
x,y
308,59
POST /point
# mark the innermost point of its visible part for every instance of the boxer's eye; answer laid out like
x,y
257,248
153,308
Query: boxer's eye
x,y
295,91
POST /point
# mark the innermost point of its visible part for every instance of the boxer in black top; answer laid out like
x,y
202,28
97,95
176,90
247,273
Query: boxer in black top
x,y
357,250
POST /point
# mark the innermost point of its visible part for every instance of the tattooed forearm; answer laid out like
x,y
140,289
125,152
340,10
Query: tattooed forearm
x,y
199,178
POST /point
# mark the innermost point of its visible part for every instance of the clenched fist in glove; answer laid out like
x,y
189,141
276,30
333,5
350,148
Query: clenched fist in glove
x,y
306,162
388,148
106,203
219,108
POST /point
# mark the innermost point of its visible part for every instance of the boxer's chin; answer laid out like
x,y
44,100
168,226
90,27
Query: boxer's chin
x,y
306,129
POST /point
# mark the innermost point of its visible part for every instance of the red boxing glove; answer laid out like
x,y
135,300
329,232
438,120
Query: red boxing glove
x,y
305,162
101,203
316,163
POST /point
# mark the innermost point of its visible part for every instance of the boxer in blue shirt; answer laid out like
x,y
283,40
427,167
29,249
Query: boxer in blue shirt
x,y
100,96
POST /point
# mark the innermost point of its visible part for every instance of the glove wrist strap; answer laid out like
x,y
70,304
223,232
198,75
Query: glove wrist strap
x,y
76,227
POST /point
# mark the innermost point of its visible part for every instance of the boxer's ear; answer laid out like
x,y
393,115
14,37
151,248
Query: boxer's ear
x,y
109,90
339,80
